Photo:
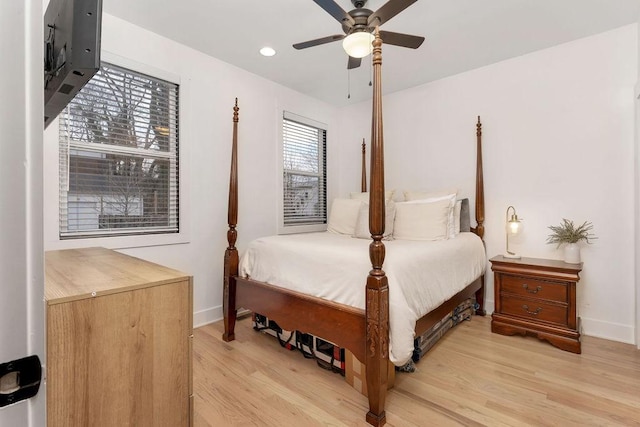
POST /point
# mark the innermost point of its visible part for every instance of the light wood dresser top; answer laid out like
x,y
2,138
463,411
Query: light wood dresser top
x,y
74,274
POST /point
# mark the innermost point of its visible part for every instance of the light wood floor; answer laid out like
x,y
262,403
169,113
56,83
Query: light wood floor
x,y
470,378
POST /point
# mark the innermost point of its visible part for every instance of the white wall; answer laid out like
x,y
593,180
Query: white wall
x,y
558,143
208,88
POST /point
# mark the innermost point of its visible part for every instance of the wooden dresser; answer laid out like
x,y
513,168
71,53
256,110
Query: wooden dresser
x,y
119,334
537,297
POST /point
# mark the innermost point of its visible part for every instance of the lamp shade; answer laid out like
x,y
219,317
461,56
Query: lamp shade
x,y
514,226
358,45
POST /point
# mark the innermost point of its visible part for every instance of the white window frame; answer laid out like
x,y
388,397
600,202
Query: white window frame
x,y
307,228
52,239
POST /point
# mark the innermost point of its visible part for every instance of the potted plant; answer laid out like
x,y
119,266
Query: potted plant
x,y
569,234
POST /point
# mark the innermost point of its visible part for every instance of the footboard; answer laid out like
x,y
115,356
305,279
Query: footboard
x,y
341,324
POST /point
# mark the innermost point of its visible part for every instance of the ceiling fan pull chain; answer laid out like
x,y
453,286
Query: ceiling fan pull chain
x,y
370,69
348,84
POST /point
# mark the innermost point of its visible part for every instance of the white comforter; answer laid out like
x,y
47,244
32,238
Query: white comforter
x,y
422,274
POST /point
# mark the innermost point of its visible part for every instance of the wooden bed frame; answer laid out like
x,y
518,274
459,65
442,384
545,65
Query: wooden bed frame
x,y
363,332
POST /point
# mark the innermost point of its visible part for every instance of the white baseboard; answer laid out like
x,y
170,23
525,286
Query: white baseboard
x,y
607,330
489,306
211,315
206,316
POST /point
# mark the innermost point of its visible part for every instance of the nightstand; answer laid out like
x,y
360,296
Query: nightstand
x,y
537,297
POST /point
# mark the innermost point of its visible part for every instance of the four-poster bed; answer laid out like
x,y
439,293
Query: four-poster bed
x,y
364,332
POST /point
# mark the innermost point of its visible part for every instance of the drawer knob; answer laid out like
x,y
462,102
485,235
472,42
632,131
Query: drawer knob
x,y
533,313
531,291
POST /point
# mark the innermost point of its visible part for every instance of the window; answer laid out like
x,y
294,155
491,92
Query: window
x,y
304,172
119,157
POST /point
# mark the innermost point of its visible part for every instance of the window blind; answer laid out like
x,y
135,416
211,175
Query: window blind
x,y
304,173
119,164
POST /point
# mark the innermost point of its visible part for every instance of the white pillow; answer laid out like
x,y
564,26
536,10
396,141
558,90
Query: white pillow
x,y
362,224
422,220
388,195
343,216
456,217
423,195
452,203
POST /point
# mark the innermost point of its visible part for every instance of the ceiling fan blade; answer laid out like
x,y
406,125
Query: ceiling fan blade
x,y
388,11
320,41
332,8
399,39
353,63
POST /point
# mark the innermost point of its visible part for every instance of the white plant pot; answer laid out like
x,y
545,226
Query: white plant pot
x,y
572,253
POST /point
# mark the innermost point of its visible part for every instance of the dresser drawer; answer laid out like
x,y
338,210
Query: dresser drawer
x,y
534,309
534,288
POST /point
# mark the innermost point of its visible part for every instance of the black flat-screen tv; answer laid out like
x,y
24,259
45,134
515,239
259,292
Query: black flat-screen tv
x,y
72,31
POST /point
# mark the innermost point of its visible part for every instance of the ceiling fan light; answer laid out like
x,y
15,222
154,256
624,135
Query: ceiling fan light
x,y
358,45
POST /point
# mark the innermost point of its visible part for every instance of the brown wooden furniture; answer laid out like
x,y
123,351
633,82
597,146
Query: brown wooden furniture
x,y
363,332
537,297
119,337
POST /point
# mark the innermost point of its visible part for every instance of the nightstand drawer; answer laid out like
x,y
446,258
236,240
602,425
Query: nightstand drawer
x,y
534,309
534,288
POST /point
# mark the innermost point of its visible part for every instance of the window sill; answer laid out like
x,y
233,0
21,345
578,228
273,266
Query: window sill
x,y
295,229
122,242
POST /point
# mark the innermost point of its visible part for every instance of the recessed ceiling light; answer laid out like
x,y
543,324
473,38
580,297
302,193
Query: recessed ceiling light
x,y
267,51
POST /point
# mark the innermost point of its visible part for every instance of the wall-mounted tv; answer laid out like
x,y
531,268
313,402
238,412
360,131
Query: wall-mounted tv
x,y
72,31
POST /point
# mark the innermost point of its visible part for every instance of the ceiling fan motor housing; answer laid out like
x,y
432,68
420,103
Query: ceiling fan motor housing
x,y
361,17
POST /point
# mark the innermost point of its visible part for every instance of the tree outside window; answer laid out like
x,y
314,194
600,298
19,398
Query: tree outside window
x,y
119,156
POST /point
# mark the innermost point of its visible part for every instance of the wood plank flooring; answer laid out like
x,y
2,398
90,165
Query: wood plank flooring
x,y
470,378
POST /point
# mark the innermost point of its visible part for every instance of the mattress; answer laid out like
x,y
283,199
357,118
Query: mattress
x,y
421,274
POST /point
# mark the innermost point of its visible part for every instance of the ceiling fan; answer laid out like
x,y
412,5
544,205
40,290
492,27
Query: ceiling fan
x,y
359,23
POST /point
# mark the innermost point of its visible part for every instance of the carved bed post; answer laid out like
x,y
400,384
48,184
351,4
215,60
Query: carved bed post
x,y
479,230
377,290
479,183
231,254
363,184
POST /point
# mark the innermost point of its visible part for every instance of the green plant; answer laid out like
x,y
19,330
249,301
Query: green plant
x,y
567,232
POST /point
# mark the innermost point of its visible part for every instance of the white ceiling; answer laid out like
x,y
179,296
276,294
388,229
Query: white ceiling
x,y
460,35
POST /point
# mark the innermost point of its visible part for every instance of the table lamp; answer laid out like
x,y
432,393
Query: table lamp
x,y
514,226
